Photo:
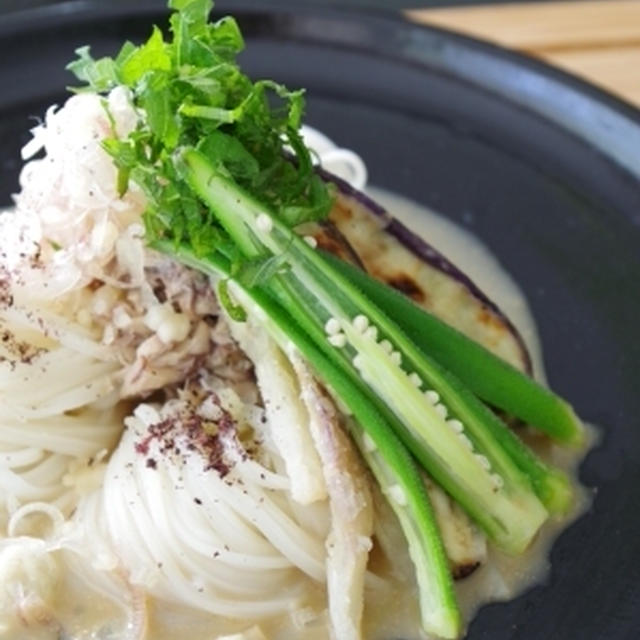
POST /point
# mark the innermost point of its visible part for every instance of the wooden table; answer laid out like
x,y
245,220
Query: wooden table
x,y
598,40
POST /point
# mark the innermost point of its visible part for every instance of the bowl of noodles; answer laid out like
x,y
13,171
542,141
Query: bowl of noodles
x,y
175,457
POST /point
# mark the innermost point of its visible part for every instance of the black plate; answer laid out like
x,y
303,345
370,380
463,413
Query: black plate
x,y
542,167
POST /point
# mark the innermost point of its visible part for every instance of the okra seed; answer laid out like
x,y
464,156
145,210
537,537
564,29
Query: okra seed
x,y
311,241
456,425
432,396
396,358
415,379
386,346
371,333
465,441
360,323
332,326
357,361
369,444
264,223
484,461
498,482
338,340
396,493
441,410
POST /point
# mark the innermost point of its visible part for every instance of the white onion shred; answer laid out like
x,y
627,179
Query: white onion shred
x,y
68,211
285,412
349,541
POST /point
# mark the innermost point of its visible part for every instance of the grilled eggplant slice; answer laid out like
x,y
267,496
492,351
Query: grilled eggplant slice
x,y
362,232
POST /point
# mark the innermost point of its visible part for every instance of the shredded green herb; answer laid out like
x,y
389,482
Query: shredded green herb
x,y
193,94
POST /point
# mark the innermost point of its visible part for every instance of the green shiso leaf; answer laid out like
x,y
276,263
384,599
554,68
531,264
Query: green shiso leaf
x,y
191,92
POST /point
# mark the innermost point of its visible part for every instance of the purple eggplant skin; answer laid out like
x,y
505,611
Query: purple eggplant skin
x,y
363,232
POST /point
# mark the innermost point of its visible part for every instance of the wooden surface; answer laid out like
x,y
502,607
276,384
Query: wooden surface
x,y
598,39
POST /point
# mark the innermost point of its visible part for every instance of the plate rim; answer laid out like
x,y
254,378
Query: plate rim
x,y
88,10
605,121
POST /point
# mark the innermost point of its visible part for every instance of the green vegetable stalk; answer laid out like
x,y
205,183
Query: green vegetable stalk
x,y
391,465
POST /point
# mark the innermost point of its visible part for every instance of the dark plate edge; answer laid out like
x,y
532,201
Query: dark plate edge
x,y
603,120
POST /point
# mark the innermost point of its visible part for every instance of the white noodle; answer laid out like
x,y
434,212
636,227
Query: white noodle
x,y
37,440
54,514
69,335
238,532
77,436
21,457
